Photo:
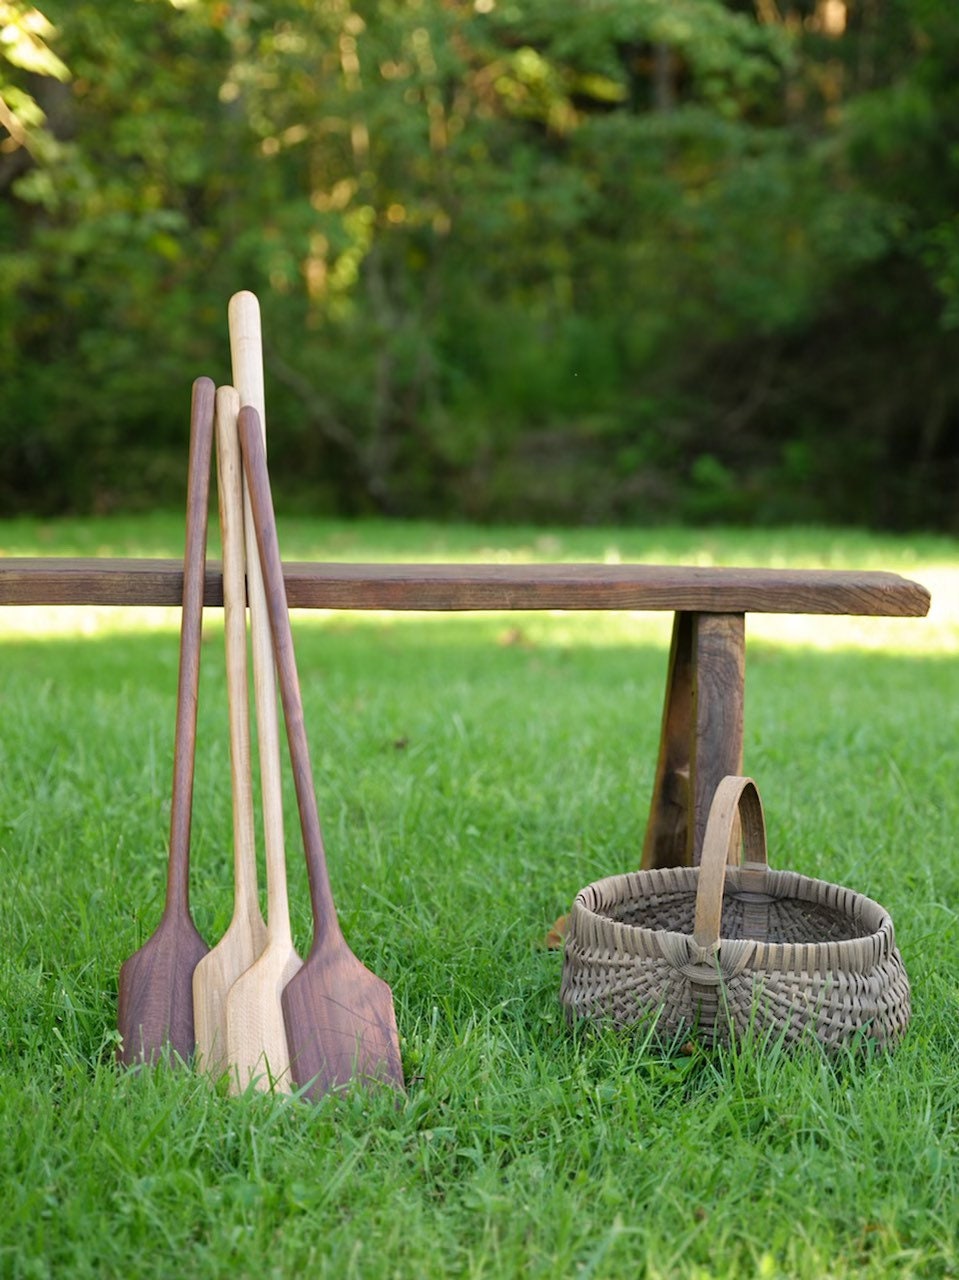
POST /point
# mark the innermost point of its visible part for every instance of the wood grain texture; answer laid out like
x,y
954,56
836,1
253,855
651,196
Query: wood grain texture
x,y
155,1005
256,1030
719,675
245,937
474,587
340,1020
668,839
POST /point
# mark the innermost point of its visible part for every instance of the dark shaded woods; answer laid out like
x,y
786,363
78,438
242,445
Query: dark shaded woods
x,y
559,261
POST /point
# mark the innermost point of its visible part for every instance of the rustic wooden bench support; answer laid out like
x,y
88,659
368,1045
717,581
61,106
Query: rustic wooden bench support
x,y
702,727
668,824
719,680
701,740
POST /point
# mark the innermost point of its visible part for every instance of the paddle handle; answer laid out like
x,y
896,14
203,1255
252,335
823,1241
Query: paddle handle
x,y
243,314
191,626
326,927
229,472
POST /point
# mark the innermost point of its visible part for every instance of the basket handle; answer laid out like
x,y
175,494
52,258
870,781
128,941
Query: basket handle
x,y
733,795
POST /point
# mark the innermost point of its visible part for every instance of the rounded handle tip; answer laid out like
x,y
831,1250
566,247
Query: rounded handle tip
x,y
243,303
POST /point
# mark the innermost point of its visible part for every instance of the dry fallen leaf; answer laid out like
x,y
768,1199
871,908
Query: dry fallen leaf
x,y
556,938
514,637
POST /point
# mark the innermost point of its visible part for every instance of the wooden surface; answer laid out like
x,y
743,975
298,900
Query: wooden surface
x,y
256,1032
155,999
719,657
701,739
668,840
245,937
402,587
340,1021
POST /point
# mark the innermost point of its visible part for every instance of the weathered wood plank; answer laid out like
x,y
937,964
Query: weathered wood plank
x,y
418,587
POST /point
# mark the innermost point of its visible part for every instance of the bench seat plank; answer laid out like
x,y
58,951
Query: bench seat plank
x,y
49,580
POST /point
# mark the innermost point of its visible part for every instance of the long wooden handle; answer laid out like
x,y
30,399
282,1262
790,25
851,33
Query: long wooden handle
x,y
230,483
191,626
326,927
246,348
733,796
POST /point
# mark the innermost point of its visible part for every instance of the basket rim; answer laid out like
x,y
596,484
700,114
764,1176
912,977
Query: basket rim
x,y
854,955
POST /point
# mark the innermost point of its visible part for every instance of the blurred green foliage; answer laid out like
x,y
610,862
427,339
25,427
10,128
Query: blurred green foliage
x,y
578,260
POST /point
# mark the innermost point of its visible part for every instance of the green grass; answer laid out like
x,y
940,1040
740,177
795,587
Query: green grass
x,y
472,774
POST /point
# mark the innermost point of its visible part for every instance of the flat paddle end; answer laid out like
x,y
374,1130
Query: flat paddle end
x,y
155,996
341,1028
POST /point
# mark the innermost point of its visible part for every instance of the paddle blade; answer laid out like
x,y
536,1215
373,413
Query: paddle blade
x,y
155,1006
256,1034
213,977
340,1024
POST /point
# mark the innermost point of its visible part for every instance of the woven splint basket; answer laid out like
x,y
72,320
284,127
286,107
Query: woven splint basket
x,y
721,949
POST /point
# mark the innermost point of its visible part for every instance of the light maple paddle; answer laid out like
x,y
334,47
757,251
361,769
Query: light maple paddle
x,y
245,937
256,1030
340,1021
155,1005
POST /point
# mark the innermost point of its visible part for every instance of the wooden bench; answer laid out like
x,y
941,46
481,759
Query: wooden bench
x,y
702,728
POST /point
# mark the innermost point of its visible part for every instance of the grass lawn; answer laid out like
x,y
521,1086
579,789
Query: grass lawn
x,y
473,772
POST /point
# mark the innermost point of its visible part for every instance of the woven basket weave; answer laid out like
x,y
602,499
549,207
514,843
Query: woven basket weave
x,y
725,949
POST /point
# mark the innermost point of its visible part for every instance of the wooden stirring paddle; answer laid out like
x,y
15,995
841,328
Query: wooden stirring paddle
x,y
340,1022
245,937
155,1006
256,1031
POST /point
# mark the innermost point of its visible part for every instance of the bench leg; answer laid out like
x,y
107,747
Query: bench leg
x,y
665,844
701,740
717,746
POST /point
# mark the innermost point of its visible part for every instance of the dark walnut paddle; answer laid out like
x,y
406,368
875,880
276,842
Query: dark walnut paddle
x,y
339,1016
155,1008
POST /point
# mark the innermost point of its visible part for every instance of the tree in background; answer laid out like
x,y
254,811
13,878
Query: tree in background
x,y
585,259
